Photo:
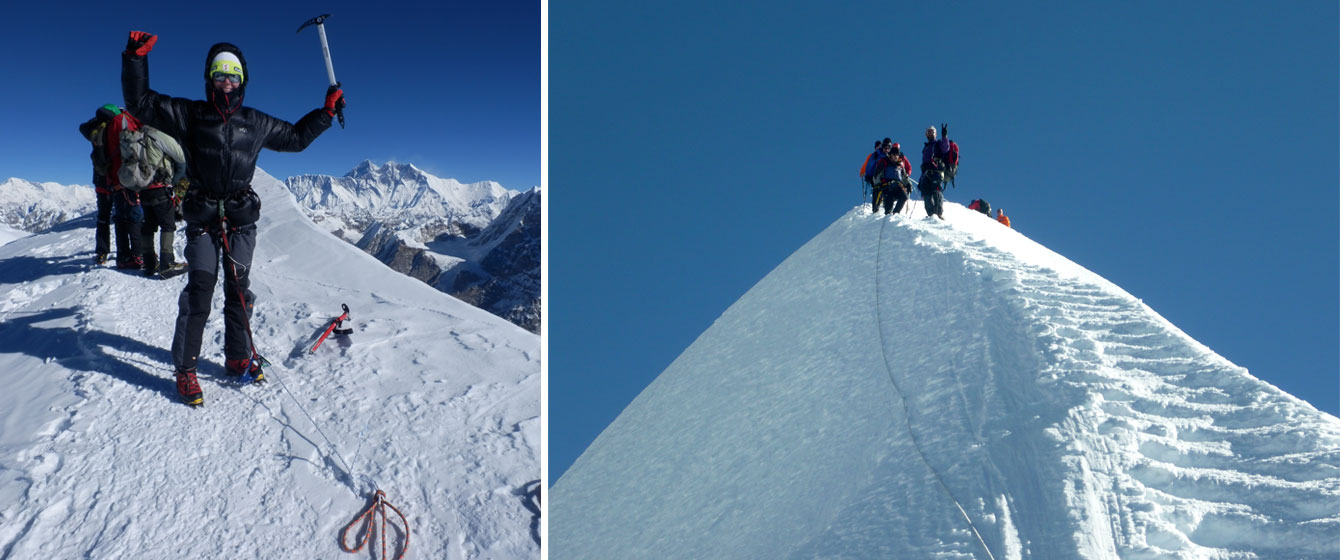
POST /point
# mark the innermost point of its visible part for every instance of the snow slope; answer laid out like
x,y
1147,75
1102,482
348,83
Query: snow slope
x,y
8,234
909,388
432,400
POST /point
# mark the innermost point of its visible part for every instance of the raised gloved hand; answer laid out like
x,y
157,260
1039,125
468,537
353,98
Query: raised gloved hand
x,y
334,99
944,130
140,42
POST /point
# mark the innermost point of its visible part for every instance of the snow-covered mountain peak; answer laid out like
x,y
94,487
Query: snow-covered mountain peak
x,y
33,207
364,169
391,171
910,388
401,194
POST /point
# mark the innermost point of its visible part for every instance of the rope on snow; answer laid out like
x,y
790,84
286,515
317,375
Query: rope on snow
x,y
368,521
907,413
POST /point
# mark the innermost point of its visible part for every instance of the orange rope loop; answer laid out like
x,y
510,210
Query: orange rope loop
x,y
378,506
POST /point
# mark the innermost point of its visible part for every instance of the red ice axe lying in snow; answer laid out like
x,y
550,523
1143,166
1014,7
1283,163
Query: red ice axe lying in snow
x,y
336,325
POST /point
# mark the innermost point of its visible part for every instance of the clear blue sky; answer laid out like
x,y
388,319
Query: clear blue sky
x,y
452,87
1187,151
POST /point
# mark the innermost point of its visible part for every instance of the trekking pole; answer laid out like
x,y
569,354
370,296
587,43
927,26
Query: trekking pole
x,y
320,21
911,202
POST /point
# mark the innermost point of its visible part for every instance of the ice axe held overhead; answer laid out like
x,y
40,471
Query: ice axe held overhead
x,y
319,22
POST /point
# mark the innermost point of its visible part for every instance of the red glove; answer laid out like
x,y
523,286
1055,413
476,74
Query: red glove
x,y
141,43
334,99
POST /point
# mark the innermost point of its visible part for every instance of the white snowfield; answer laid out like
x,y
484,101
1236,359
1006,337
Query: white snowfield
x,y
434,401
910,388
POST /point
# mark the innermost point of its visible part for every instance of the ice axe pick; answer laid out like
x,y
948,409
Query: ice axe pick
x,y
319,22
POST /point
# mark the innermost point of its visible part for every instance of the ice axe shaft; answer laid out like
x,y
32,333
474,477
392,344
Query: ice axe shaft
x,y
325,50
334,324
319,22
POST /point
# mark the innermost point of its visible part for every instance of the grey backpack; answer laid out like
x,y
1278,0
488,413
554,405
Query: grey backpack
x,y
148,157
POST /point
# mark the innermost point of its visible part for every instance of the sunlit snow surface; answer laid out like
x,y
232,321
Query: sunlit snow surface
x,y
8,234
433,400
1065,418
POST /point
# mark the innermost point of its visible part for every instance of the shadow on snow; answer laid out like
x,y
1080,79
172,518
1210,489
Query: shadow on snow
x,y
22,333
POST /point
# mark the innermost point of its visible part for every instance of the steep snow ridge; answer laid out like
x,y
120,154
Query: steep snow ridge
x,y
433,400
36,207
895,370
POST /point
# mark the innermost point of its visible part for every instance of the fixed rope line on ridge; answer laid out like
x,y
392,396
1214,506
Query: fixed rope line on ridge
x,y
907,412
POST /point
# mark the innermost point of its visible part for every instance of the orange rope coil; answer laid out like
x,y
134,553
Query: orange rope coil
x,y
378,506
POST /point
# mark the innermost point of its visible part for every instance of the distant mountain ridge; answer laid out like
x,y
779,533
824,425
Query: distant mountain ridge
x,y
402,196
36,207
507,278
477,241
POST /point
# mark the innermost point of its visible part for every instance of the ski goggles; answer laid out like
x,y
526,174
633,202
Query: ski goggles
x,y
222,76
226,70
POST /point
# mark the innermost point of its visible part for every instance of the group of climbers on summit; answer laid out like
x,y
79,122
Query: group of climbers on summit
x,y
887,173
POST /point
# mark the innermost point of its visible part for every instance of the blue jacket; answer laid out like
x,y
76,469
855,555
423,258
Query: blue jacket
x,y
893,169
871,163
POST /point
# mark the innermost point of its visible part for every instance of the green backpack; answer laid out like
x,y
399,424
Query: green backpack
x,y
149,157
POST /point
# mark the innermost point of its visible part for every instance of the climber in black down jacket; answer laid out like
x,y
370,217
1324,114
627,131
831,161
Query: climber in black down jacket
x,y
222,140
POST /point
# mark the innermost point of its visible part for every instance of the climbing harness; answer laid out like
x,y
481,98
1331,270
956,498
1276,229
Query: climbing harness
x,y
378,507
907,413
